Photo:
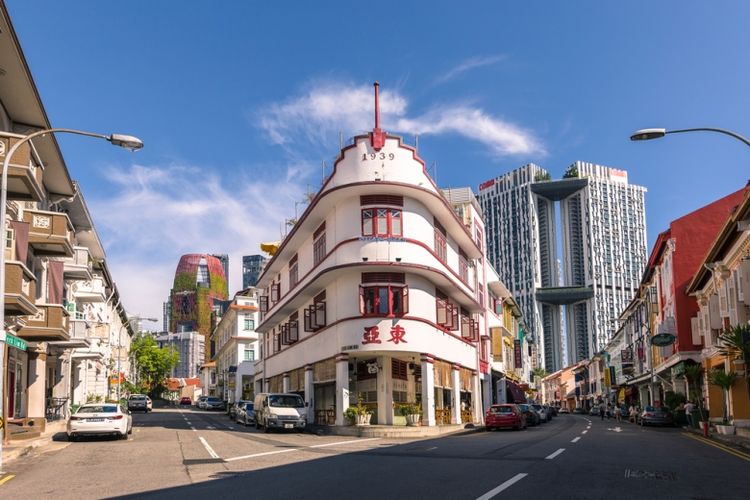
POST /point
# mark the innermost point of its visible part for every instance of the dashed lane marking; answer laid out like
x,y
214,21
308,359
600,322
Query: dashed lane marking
x,y
550,457
731,451
584,432
211,427
7,478
208,448
275,452
193,429
575,440
507,484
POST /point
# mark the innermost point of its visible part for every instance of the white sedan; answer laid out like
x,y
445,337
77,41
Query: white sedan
x,y
100,419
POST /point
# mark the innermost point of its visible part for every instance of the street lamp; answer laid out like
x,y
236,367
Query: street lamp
x,y
125,141
646,134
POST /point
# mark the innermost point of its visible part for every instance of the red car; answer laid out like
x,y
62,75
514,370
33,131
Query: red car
x,y
186,401
499,416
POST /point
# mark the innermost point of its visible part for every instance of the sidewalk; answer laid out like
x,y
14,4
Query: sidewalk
x,y
54,432
736,441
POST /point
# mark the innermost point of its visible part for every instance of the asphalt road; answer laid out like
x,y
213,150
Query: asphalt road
x,y
186,453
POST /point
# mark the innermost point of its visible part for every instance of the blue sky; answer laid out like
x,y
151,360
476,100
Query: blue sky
x,y
240,102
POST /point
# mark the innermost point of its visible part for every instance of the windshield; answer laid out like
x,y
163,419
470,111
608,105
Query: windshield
x,y
137,396
537,407
249,406
501,409
98,409
213,400
524,407
286,401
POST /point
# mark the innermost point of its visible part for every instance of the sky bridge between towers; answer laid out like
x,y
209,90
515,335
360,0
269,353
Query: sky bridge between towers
x,y
564,295
558,189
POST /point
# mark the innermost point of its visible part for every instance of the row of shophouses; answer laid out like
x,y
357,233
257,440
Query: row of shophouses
x,y
696,285
380,295
66,332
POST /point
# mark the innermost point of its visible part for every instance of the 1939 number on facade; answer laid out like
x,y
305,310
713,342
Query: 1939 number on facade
x,y
378,156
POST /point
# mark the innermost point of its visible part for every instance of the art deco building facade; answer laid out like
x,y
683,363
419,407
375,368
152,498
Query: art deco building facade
x,y
603,233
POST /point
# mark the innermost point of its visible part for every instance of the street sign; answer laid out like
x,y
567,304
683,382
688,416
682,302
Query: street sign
x,y
14,341
663,339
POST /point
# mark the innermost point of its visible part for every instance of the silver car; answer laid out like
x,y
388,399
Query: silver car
x,y
246,414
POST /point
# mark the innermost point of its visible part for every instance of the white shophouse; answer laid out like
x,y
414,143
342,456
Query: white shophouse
x,y
236,346
378,294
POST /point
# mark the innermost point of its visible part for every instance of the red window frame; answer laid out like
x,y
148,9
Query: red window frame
x,y
441,246
469,329
372,294
376,215
463,267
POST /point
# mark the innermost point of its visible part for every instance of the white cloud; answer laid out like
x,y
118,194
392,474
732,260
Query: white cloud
x,y
316,117
161,213
468,65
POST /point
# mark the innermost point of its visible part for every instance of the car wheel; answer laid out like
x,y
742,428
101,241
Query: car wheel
x,y
266,429
124,435
244,421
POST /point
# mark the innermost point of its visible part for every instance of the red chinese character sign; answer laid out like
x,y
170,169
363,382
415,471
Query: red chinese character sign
x,y
397,334
371,335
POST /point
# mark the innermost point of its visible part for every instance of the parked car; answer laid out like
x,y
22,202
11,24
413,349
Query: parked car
x,y
149,404
594,411
543,415
655,415
100,419
279,411
234,408
552,409
504,415
563,410
138,402
201,403
532,417
185,400
246,413
579,411
214,403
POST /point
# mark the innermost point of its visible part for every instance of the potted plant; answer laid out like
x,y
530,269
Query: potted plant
x,y
725,380
358,414
412,412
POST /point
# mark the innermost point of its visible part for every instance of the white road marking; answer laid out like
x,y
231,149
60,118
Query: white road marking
x,y
430,449
616,429
208,448
211,427
192,428
507,484
188,422
261,454
342,442
230,427
575,440
584,432
550,457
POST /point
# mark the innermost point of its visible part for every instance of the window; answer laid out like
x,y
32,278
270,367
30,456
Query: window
x,y
293,272
249,354
263,299
249,323
319,244
275,292
441,243
384,300
315,314
398,369
276,342
463,266
447,313
382,222
469,327
290,331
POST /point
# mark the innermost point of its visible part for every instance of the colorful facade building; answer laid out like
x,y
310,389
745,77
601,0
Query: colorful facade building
x,y
199,283
378,295
722,289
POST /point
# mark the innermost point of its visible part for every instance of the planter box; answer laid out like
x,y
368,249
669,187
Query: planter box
x,y
727,430
413,420
363,419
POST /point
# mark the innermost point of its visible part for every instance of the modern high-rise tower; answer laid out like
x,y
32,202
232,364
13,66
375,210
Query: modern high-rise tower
x,y
252,265
603,232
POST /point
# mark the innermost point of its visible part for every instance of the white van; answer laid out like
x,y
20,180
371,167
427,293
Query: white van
x,y
279,411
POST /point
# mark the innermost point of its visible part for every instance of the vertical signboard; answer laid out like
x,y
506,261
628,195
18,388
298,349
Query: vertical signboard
x,y
517,352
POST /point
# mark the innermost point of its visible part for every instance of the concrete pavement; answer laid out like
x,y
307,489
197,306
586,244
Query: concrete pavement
x,y
189,454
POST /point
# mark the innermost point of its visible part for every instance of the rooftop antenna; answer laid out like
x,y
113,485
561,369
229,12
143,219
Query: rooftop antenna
x,y
377,137
416,143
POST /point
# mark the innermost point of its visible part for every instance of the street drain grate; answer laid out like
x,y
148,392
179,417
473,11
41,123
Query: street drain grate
x,y
201,461
650,474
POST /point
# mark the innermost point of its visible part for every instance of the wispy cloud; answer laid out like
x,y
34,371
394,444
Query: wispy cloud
x,y
317,115
468,65
162,212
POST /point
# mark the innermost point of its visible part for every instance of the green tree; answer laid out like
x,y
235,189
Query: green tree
x,y
153,363
725,380
539,373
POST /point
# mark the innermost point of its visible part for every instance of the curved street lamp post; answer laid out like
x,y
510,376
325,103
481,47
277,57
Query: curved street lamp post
x,y
125,141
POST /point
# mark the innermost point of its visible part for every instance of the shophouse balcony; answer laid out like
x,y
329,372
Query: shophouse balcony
x,y
24,177
79,327
50,323
50,233
92,290
20,289
78,267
